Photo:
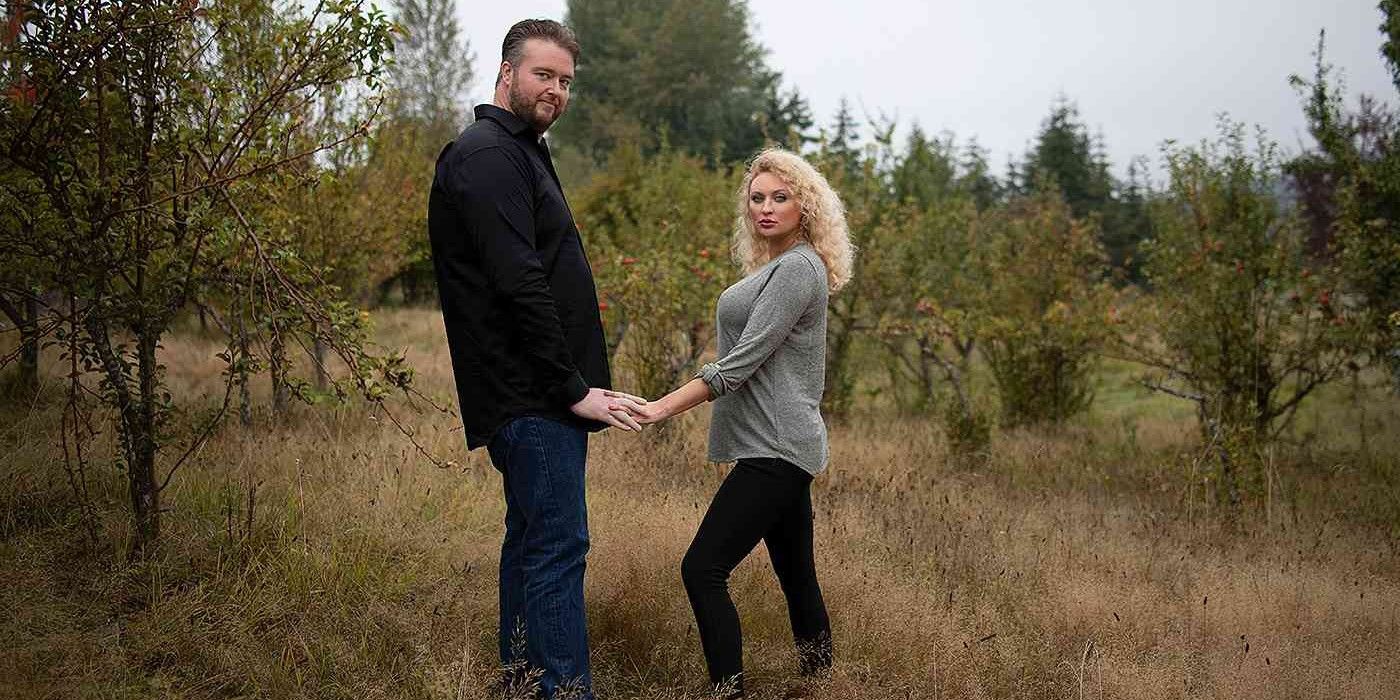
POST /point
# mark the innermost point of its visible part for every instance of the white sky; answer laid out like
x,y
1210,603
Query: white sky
x,y
1141,71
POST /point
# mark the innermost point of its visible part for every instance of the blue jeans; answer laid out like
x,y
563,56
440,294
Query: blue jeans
x,y
542,559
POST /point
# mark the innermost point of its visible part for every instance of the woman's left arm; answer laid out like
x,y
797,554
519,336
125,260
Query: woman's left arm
x,y
687,396
794,285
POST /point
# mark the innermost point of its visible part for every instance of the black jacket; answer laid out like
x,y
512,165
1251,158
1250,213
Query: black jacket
x,y
516,289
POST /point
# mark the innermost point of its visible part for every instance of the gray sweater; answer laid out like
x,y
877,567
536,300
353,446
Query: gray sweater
x,y
767,383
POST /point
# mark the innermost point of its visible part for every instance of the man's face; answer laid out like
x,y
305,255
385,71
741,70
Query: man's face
x,y
539,86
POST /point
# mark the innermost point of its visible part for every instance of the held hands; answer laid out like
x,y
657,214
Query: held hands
x,y
620,409
643,411
612,407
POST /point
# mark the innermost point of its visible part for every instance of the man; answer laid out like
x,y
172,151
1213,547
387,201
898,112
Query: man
x,y
527,346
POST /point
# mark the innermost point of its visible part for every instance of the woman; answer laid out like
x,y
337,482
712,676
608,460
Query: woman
x,y
791,240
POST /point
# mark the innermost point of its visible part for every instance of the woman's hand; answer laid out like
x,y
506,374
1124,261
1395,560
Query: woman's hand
x,y
653,412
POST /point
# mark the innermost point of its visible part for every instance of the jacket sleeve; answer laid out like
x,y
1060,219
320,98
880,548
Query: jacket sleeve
x,y
794,286
495,192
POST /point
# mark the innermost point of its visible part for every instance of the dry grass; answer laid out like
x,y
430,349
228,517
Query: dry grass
x,y
1083,564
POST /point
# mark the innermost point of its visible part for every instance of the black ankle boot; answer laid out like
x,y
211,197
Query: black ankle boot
x,y
814,656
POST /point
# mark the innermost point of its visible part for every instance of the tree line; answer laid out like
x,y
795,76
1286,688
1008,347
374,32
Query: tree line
x,y
261,169
1242,283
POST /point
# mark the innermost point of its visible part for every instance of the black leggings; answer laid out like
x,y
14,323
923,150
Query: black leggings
x,y
762,499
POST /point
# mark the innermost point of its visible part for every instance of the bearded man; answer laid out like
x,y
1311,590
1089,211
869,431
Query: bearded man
x,y
528,354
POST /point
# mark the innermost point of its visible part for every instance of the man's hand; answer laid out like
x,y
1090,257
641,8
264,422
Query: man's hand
x,y
643,411
613,410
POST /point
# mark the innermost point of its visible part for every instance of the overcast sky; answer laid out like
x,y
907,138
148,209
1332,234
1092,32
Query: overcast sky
x,y
1140,71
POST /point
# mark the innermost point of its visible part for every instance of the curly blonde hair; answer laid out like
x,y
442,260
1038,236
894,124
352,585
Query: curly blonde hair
x,y
823,222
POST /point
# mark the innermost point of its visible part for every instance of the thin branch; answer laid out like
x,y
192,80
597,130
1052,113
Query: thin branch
x,y
1198,398
224,181
209,428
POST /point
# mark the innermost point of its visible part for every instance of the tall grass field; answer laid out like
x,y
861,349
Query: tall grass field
x,y
317,554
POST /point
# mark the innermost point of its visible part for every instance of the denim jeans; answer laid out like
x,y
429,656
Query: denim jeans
x,y
542,622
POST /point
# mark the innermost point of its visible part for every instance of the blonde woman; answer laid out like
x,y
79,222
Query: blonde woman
x,y
791,240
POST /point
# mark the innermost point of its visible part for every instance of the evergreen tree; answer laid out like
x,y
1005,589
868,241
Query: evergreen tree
x,y
976,179
928,172
841,141
1067,157
786,116
686,73
1127,224
432,70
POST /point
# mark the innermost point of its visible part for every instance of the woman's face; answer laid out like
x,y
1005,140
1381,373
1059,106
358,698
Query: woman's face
x,y
775,212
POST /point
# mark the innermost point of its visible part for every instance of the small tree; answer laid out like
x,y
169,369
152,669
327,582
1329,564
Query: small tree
x,y
658,232
22,220
1238,323
1349,185
921,265
153,126
1040,311
927,327
427,108
24,235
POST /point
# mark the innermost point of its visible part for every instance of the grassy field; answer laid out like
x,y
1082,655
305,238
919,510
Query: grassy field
x,y
317,555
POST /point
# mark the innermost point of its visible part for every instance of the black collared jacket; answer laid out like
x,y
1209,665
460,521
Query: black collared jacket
x,y
516,289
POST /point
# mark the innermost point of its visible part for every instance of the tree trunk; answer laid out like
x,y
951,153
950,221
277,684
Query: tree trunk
x,y
245,399
140,421
323,379
277,370
386,288
29,345
25,315
408,282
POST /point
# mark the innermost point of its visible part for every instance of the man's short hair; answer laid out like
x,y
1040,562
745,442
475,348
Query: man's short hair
x,y
513,48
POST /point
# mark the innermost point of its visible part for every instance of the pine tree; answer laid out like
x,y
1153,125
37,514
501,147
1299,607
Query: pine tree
x,y
686,73
842,141
786,116
432,69
928,172
976,179
1065,156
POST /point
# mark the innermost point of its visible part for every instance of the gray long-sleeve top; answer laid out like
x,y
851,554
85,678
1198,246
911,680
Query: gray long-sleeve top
x,y
767,383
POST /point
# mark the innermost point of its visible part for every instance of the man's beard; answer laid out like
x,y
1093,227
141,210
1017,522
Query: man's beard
x,y
524,107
